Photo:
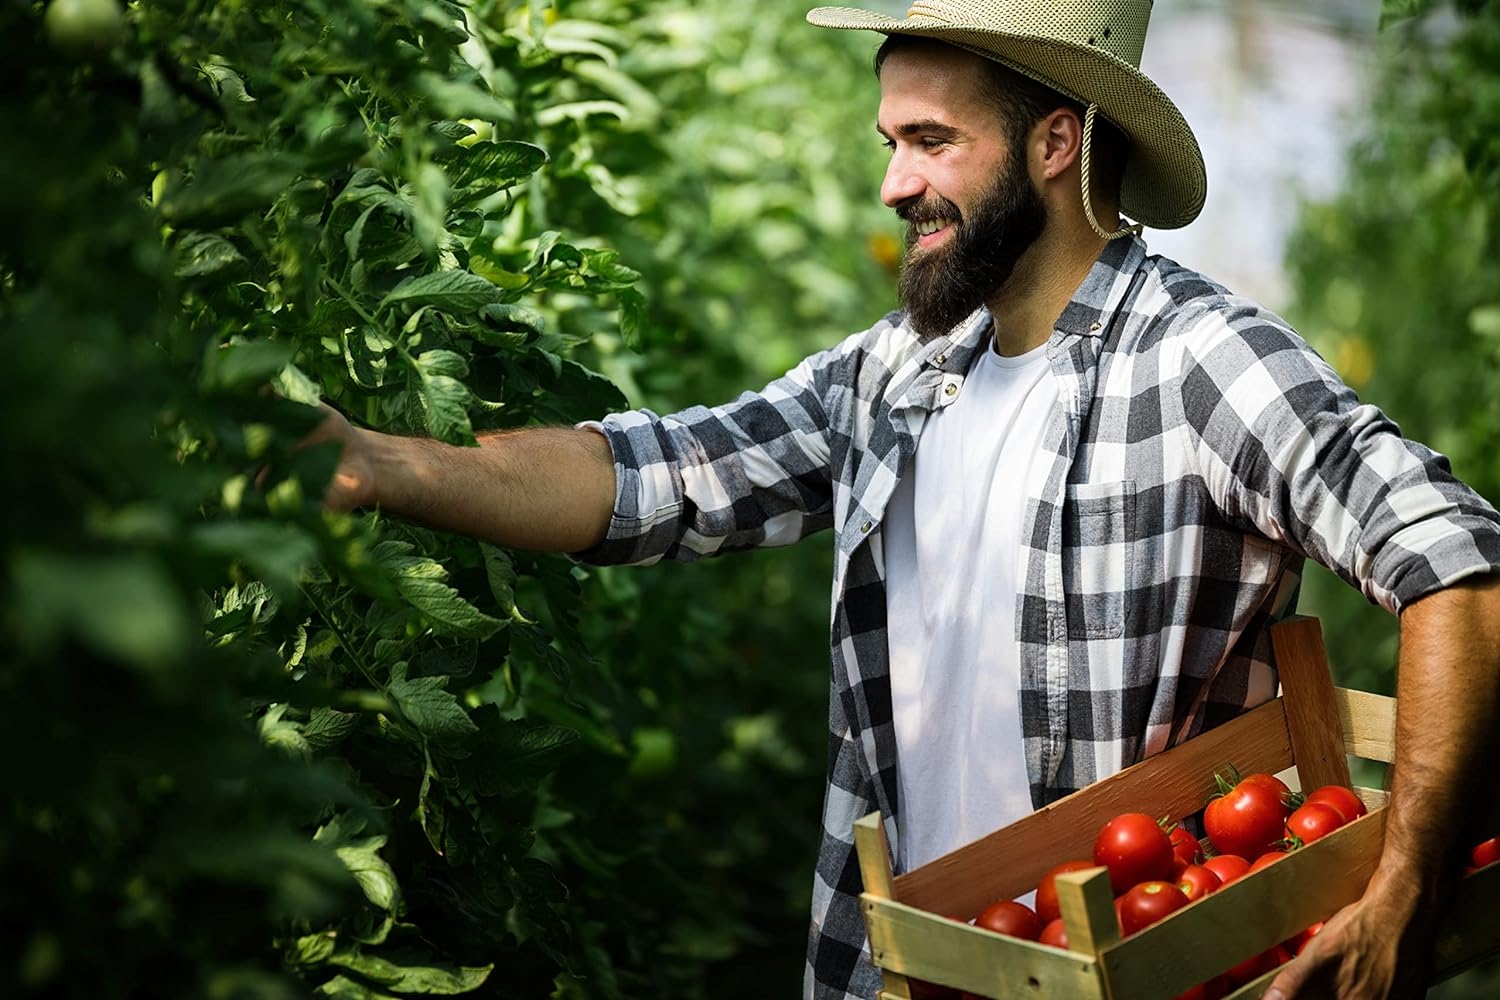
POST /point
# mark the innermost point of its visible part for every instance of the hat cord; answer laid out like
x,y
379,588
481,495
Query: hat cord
x,y
1088,201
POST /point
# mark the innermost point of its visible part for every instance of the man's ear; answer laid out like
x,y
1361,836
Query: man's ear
x,y
1058,138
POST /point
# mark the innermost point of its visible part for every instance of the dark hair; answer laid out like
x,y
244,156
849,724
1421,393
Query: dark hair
x,y
1021,102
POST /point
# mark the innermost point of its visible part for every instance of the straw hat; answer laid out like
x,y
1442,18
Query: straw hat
x,y
1089,50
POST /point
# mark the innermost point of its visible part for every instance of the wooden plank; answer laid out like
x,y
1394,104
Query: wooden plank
x,y
1248,916
1175,783
1368,722
925,946
874,851
1312,714
874,855
1088,910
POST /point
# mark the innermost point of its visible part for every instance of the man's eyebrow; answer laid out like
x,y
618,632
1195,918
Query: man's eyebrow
x,y
926,126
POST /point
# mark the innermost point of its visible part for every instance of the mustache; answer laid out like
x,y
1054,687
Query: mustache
x,y
928,210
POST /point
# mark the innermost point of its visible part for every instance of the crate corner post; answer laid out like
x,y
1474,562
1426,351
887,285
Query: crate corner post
x,y
874,852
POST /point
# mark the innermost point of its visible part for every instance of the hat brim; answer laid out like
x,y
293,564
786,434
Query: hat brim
x,y
1165,181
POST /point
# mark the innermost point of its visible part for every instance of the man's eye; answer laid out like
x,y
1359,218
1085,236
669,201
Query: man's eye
x,y
928,142
889,144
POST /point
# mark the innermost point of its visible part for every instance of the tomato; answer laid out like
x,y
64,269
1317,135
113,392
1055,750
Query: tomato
x,y
1249,817
1185,846
1227,866
1298,941
1046,889
1134,849
1313,821
1006,916
1349,805
78,27
1266,860
1197,881
1054,934
1147,903
1486,853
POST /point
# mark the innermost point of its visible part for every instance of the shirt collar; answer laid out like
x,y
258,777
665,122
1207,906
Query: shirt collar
x,y
1104,288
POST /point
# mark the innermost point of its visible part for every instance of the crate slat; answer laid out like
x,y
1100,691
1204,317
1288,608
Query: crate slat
x,y
1175,783
1312,714
921,945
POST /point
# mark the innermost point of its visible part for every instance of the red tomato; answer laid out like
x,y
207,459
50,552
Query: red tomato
x,y
1349,805
1134,849
1486,853
1046,889
1006,916
1227,866
1249,818
1147,903
1197,881
1313,821
1055,934
1185,846
1265,860
921,990
1299,940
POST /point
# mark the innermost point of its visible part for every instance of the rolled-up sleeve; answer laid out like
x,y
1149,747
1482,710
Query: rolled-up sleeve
x,y
707,480
1285,445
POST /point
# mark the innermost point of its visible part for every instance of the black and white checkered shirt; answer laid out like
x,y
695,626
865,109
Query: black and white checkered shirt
x,y
1199,450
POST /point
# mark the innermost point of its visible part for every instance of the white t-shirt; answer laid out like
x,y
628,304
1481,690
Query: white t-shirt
x,y
953,564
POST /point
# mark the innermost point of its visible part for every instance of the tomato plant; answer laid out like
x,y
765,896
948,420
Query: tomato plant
x,y
1135,849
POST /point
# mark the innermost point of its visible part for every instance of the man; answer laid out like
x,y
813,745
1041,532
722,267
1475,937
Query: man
x,y
1072,485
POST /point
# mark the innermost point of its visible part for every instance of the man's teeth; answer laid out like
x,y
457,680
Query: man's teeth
x,y
928,228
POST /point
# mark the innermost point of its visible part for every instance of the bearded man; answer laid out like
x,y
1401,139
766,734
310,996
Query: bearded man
x,y
1072,484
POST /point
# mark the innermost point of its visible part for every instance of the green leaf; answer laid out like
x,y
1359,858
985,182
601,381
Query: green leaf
x,y
375,877
442,362
513,317
420,581
124,606
452,99
326,728
454,291
445,401
429,980
427,705
228,189
579,110
202,254
493,166
245,364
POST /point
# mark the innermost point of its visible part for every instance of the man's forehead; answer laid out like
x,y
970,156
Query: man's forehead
x,y
932,82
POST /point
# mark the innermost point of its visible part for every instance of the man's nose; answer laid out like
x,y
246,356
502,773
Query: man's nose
x,y
902,183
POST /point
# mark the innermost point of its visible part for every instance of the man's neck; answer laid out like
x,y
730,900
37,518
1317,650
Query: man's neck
x,y
1046,277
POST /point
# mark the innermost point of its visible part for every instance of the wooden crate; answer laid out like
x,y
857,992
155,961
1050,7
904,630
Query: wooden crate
x,y
1313,727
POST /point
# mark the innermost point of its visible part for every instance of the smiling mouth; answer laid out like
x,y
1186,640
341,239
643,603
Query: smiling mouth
x,y
927,228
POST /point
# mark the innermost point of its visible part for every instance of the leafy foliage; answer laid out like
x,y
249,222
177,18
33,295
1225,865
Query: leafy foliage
x,y
284,751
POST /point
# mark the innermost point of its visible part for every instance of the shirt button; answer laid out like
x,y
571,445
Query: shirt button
x,y
950,389
864,529
940,359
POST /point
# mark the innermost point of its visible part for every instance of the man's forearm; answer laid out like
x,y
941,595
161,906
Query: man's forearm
x,y
547,488
1448,709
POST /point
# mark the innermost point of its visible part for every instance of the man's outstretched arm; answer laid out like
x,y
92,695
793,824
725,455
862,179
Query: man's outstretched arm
x,y
547,488
1448,711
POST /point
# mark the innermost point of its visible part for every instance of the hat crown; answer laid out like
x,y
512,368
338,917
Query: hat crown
x,y
1117,27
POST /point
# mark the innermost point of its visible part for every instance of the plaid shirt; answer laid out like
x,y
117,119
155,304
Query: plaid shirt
x,y
1199,451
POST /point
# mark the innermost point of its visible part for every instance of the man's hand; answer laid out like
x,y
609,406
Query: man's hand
x,y
353,483
1359,953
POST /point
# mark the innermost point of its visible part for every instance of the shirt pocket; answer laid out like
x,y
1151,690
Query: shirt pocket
x,y
1098,557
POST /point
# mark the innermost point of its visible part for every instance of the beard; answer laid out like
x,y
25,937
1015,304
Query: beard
x,y
939,288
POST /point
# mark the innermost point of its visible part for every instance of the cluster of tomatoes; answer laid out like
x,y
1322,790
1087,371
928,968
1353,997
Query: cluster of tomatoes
x,y
1156,868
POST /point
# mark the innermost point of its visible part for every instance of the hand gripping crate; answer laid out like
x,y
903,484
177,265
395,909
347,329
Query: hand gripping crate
x,y
1313,726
